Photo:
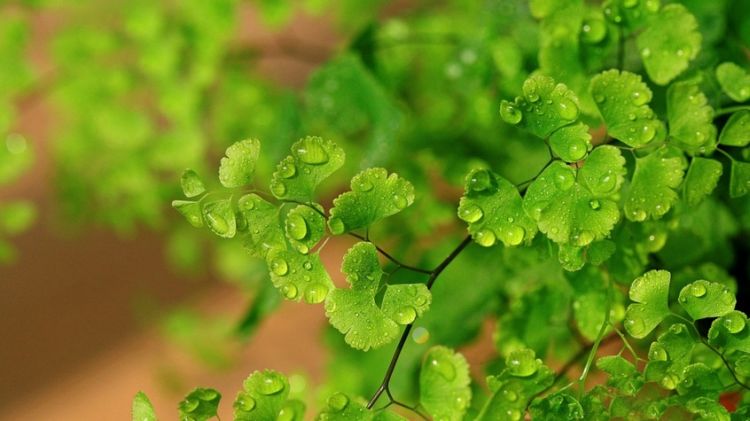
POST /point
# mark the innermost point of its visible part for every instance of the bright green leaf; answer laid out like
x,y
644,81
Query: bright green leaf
x,y
703,299
354,311
262,397
200,404
701,179
669,356
669,43
238,167
299,276
739,179
493,208
190,210
736,131
577,210
708,409
191,184
650,294
143,410
263,226
304,227
652,191
374,195
543,108
556,406
623,101
730,332
622,374
571,143
734,81
444,384
690,118
340,407
312,161
220,218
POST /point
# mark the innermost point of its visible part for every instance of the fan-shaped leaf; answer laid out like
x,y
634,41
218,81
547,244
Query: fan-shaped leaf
x,y
263,396
652,191
650,294
734,81
444,384
737,130
690,118
262,222
701,179
739,179
143,410
191,184
238,167
703,299
304,227
299,276
200,405
312,161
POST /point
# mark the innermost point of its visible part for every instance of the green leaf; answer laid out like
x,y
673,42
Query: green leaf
x,y
493,208
669,43
623,101
374,195
220,218
354,311
312,161
730,333
238,167
304,227
736,131
578,210
701,179
263,226
263,395
623,375
690,118
16,217
650,294
191,184
543,108
340,407
739,179
190,210
299,276
556,406
669,356
734,81
571,143
708,409
703,299
142,410
656,177
444,384
200,404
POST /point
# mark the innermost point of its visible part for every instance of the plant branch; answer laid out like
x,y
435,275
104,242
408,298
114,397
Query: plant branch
x,y
729,110
385,384
391,258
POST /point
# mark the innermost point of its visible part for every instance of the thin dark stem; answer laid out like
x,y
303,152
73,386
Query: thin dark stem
x,y
385,384
391,258
726,363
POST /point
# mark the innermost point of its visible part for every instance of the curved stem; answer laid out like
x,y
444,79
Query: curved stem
x,y
385,384
391,258
729,110
599,337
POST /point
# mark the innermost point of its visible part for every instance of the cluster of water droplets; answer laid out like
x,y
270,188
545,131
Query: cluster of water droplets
x,y
314,292
307,152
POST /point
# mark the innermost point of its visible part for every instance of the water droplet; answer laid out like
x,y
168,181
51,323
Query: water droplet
x,y
399,201
646,52
510,395
522,363
279,266
480,180
669,381
593,30
287,169
296,226
246,403
311,151
470,212
302,248
278,188
420,335
246,203
513,414
190,405
509,113
289,291
698,289
564,179
217,223
513,235
637,214
607,182
567,109
657,352
734,322
286,413
600,98
338,402
583,238
728,298
461,403
443,367
635,326
362,185
271,384
405,315
577,150
485,238
316,293
336,225
595,204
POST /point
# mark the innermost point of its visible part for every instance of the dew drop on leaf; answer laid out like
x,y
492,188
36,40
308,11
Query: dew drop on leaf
x,y
698,289
289,291
514,235
444,367
338,402
733,322
406,315
669,381
246,403
279,266
567,109
287,169
470,212
595,204
278,188
311,152
217,223
336,225
400,201
479,180
316,293
513,414
510,395
522,363
509,113
635,327
286,414
564,180
296,226
657,352
190,405
270,385
485,238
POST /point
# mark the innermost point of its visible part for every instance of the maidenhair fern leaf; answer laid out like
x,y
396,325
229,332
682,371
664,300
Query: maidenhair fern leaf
x,y
668,44
734,81
200,405
354,311
578,209
238,167
571,143
263,395
669,356
374,195
702,299
262,223
736,131
652,191
650,294
739,179
299,276
304,227
340,407
444,384
191,184
220,219
191,210
690,118
493,208
142,410
312,161
730,332
623,101
701,179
